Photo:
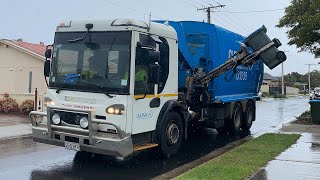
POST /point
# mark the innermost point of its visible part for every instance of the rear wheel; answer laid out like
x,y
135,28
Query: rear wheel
x,y
236,120
171,134
249,115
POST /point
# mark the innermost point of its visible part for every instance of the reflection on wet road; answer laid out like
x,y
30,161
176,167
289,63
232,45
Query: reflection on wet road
x,y
271,114
300,161
23,159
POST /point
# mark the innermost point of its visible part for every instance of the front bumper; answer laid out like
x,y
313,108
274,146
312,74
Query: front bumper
x,y
114,145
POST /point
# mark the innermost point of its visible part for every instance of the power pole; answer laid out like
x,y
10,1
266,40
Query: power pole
x,y
208,11
282,79
309,76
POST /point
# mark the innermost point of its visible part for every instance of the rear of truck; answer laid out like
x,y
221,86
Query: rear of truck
x,y
207,46
231,96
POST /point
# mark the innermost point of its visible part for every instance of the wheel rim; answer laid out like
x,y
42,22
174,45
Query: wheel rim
x,y
172,133
237,118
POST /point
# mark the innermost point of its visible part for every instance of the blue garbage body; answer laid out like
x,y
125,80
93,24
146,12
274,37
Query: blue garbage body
x,y
203,45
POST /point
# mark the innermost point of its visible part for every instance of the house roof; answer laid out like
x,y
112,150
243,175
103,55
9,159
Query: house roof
x,y
267,76
36,50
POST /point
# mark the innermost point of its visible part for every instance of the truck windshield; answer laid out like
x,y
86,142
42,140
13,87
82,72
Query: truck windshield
x,y
101,59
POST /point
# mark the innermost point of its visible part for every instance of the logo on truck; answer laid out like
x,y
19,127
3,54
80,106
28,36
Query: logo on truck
x,y
242,74
145,115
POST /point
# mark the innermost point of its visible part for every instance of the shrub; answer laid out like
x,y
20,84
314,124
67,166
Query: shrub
x,y
5,95
265,94
9,105
280,96
26,106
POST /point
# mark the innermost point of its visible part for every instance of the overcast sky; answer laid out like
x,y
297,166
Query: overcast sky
x,y
35,20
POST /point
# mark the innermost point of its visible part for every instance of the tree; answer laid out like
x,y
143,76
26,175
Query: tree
x,y
293,77
302,18
315,79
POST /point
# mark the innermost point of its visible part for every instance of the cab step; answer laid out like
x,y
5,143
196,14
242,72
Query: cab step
x,y
144,146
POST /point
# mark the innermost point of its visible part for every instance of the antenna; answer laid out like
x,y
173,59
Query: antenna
x,y
149,22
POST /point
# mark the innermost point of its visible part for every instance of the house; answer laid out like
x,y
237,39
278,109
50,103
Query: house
x,y
21,67
272,85
268,81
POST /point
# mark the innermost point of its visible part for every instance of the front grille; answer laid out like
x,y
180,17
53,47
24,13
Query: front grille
x,y
71,117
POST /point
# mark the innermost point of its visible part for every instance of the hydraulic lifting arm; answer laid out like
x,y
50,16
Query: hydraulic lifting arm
x,y
242,57
263,49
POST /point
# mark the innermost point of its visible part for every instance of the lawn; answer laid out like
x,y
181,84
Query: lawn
x,y
242,161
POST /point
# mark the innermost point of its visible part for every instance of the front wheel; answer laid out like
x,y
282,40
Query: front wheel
x,y
171,134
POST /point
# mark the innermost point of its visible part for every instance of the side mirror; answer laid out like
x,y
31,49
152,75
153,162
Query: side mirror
x,y
154,74
46,68
154,56
48,53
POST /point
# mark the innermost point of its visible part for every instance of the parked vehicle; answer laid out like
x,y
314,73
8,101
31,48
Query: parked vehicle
x,y
119,86
315,94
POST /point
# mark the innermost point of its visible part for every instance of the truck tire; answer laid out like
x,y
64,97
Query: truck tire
x,y
249,116
236,119
171,134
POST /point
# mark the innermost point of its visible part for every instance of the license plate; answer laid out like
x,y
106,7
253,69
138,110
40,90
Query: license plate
x,y
72,146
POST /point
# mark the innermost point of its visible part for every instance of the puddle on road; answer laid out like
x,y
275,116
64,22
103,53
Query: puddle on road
x,y
288,170
300,161
58,163
38,161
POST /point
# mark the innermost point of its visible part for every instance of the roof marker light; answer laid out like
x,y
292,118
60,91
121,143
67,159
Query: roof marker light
x,y
64,24
129,22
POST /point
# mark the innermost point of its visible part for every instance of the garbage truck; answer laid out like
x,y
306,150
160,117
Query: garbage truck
x,y
123,85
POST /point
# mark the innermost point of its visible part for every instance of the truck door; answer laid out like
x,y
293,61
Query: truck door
x,y
145,111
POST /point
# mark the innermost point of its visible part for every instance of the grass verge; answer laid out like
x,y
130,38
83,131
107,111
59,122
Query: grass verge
x,y
304,118
244,160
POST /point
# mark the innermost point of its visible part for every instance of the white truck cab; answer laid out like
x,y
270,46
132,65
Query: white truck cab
x,y
107,85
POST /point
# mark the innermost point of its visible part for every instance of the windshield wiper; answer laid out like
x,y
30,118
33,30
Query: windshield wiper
x,y
61,87
88,26
98,88
87,84
78,39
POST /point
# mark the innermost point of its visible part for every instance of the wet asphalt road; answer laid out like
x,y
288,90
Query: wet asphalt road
x,y
24,159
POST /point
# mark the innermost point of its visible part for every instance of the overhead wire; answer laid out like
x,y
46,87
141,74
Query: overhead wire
x,y
237,23
189,3
257,11
250,28
240,28
197,3
129,8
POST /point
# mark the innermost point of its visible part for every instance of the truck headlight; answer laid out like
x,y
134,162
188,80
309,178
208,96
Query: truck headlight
x,y
84,123
116,109
48,102
56,119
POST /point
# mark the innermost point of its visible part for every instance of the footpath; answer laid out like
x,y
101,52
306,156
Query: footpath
x,y
300,161
12,126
